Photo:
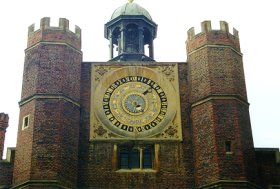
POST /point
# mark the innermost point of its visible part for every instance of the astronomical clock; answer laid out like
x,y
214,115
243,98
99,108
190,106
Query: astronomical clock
x,y
138,102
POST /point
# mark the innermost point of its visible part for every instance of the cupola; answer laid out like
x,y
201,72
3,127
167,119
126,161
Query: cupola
x,y
131,32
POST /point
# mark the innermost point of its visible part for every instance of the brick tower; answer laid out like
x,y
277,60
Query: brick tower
x,y
222,137
4,120
48,132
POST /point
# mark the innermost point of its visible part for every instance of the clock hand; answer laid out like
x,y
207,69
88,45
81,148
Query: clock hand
x,y
149,90
139,108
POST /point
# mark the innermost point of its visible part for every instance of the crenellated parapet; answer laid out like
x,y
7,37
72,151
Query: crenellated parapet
x,y
60,34
217,66
4,119
208,36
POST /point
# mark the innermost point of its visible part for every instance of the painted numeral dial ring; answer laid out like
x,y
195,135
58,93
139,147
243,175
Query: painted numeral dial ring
x,y
135,103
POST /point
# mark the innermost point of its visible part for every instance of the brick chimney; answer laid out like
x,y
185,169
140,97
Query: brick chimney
x,y
4,119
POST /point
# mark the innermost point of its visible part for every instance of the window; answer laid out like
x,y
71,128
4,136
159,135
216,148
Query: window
x,y
124,158
135,157
147,158
228,147
25,122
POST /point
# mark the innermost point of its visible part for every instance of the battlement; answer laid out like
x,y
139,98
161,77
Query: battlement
x,y
4,118
209,37
63,25
207,28
60,33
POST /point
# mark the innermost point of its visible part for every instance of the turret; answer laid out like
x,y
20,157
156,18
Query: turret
x,y
48,130
4,120
220,62
129,31
222,136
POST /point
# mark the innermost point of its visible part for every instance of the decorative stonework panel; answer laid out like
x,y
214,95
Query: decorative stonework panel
x,y
100,71
168,71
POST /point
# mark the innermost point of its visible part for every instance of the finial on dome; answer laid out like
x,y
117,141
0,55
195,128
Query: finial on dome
x,y
130,1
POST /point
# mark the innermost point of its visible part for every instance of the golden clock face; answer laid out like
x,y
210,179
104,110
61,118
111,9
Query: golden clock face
x,y
134,105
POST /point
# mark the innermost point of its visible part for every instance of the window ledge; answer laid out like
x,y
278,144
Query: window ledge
x,y
229,153
136,171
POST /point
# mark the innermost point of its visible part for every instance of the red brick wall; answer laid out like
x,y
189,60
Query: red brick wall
x,y
55,141
201,157
6,170
205,154
215,70
268,163
22,167
96,169
52,69
214,123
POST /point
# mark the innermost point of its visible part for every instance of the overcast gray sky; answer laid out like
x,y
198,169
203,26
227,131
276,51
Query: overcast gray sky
x,y
257,22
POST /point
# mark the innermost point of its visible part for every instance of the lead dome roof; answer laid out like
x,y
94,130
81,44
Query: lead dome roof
x,y
131,9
